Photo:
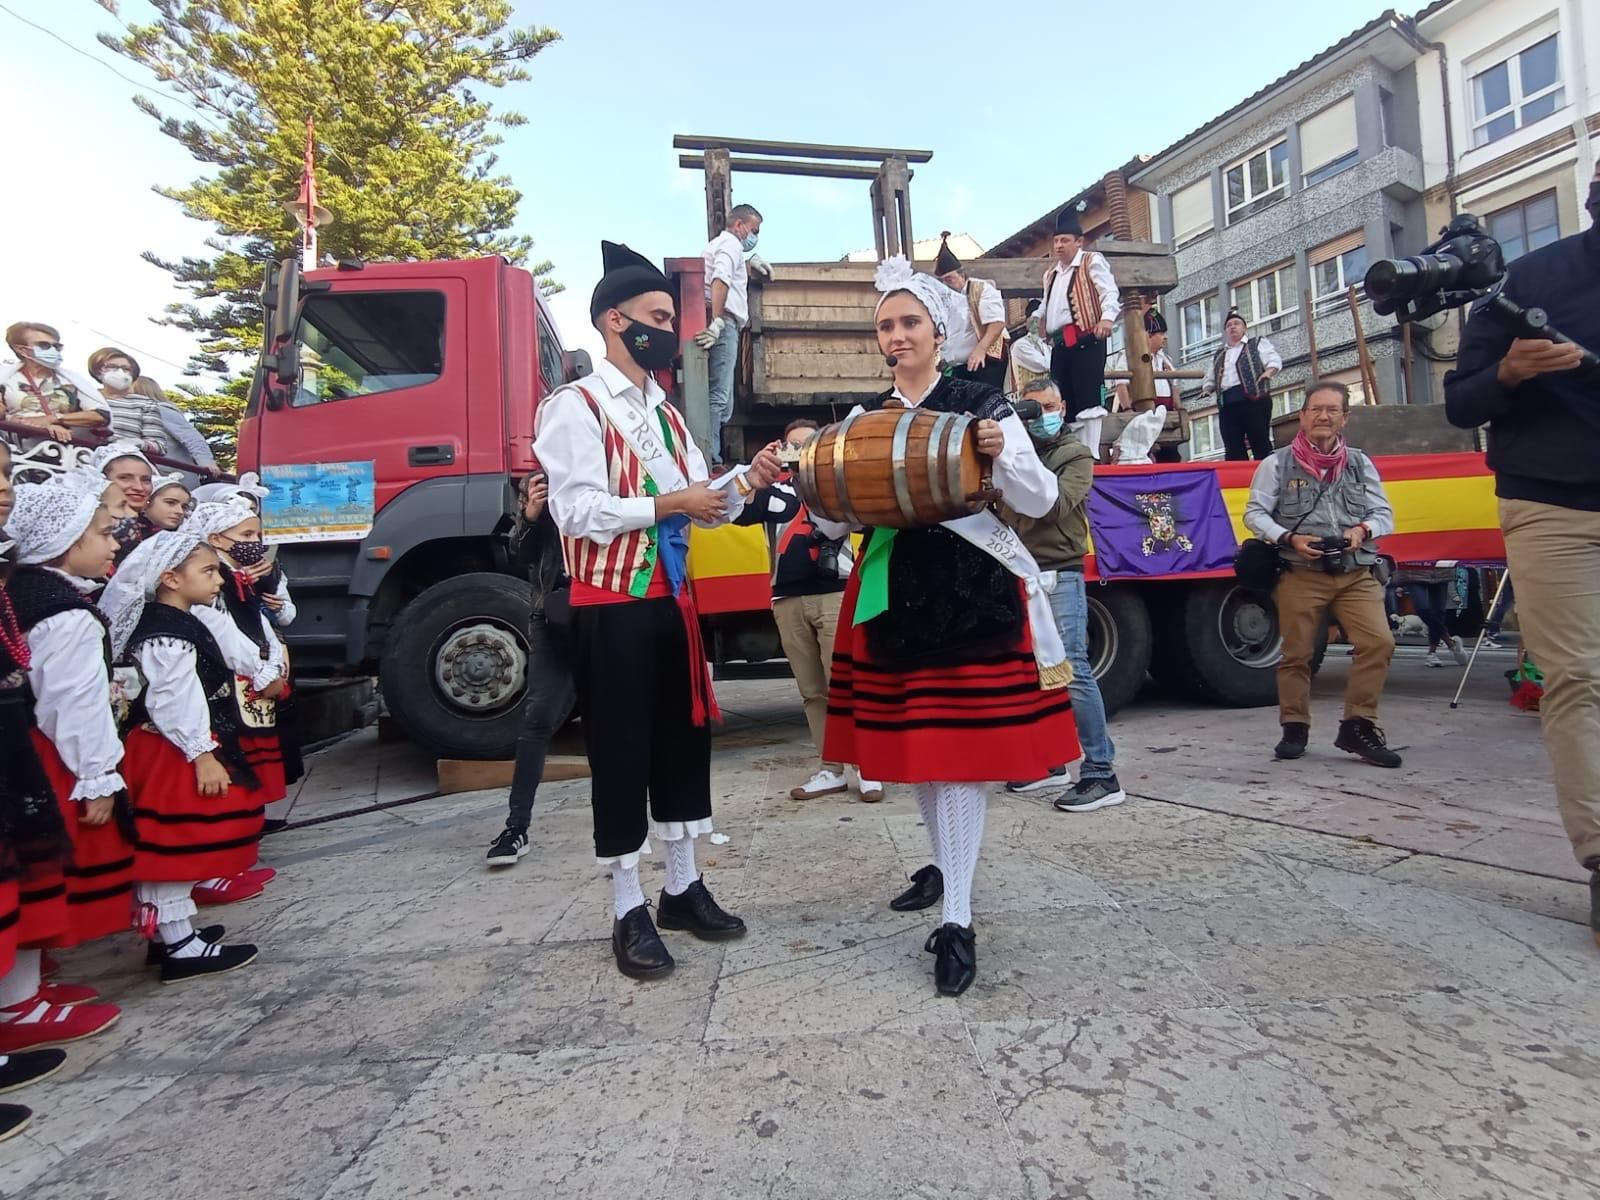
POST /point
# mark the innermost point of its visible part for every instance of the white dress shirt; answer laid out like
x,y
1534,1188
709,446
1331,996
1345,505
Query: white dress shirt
x,y
960,338
72,700
724,259
173,696
241,654
571,449
1270,360
1058,304
284,616
1160,361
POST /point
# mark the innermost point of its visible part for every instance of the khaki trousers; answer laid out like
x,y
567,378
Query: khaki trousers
x,y
1554,556
806,625
1305,596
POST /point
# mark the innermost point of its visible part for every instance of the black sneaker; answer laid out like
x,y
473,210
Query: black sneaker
x,y
22,1067
157,953
1089,794
13,1120
1293,742
509,847
697,913
1361,737
1056,778
215,959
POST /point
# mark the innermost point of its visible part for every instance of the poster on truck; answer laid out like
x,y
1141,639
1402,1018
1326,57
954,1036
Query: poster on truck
x,y
317,502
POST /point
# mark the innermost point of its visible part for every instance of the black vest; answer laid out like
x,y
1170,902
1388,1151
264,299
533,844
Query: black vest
x,y
31,829
243,601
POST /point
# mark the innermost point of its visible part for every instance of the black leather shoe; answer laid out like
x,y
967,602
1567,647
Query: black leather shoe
x,y
956,964
697,913
926,890
1361,737
638,947
1293,744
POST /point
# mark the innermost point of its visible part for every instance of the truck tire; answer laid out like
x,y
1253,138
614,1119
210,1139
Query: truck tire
x,y
1120,643
1222,645
455,665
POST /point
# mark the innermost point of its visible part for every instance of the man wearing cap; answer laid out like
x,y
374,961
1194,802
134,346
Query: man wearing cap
x,y
1242,372
1155,328
975,336
625,481
1081,302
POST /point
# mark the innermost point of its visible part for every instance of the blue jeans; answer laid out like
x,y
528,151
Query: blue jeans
x,y
1071,609
1431,600
722,362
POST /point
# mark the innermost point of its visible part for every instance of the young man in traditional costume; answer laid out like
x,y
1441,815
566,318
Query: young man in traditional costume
x,y
626,479
975,347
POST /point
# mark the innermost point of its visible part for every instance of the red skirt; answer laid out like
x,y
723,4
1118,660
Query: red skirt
x,y
10,918
184,836
973,722
100,877
42,898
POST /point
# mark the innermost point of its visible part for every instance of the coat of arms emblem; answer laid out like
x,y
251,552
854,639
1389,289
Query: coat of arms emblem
x,y
1162,518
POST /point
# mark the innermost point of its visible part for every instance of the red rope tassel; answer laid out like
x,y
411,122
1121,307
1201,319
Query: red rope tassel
x,y
702,697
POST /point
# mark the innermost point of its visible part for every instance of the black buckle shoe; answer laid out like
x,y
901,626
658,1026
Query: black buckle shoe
x,y
1293,743
956,964
926,890
697,913
1361,737
640,952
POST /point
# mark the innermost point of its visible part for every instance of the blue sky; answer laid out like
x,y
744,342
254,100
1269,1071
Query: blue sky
x,y
1045,107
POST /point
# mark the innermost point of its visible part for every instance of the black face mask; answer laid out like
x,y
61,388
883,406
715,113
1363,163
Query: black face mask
x,y
650,347
247,554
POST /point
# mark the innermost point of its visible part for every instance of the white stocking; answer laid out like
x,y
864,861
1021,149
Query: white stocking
x,y
961,809
22,981
626,894
927,795
678,855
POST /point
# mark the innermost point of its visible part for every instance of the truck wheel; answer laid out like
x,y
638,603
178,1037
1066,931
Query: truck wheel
x,y
1227,646
455,666
1120,643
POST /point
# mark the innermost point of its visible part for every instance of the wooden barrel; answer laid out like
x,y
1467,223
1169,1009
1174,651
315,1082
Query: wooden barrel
x,y
895,468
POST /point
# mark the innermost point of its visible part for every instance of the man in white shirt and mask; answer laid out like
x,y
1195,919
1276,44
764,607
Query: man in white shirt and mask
x,y
727,278
975,337
1242,372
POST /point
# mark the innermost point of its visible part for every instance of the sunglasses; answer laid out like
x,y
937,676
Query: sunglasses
x,y
47,345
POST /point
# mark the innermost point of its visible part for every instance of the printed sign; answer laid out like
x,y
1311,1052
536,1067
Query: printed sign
x,y
317,502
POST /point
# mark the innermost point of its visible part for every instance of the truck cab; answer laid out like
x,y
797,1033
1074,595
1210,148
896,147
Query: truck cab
x,y
432,372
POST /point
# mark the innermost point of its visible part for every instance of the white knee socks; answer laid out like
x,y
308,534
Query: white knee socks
x,y
626,895
678,855
22,981
960,812
927,795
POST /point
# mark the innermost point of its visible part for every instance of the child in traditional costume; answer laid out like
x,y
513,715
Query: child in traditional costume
x,y
63,536
948,670
195,812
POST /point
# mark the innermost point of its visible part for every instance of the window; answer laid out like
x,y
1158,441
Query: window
x,y
1352,380
1255,182
1290,400
1335,266
1516,91
551,371
1269,301
360,343
1202,328
1525,226
1205,438
1328,141
1118,341
1192,216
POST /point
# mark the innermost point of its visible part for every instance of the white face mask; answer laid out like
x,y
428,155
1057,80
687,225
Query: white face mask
x,y
117,378
46,356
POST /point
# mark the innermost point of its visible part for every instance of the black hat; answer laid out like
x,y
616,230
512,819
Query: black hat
x,y
1067,222
947,261
627,274
1032,307
1235,315
1154,322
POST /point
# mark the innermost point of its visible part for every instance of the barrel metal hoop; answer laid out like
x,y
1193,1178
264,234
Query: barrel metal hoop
x,y
897,459
841,488
952,461
805,475
937,436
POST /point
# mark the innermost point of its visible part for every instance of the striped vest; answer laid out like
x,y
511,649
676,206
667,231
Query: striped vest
x,y
629,560
1084,297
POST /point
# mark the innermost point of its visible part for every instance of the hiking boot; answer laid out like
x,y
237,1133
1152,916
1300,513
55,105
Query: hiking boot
x,y
1361,737
508,849
1293,742
1089,794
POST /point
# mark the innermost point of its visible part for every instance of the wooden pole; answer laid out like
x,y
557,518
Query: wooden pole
x,y
1311,333
1405,341
719,190
1369,378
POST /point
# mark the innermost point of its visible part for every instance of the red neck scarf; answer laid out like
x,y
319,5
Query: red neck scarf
x,y
1324,465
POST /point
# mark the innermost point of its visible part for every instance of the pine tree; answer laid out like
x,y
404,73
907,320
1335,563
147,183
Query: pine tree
x,y
404,142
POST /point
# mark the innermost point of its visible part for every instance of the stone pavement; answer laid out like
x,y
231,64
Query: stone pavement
x,y
1253,980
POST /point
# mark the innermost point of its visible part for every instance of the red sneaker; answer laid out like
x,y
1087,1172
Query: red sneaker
x,y
246,885
37,1022
66,994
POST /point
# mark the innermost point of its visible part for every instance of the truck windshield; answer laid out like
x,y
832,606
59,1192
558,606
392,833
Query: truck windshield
x,y
358,343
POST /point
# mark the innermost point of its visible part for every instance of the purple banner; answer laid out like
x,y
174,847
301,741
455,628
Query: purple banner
x,y
1163,523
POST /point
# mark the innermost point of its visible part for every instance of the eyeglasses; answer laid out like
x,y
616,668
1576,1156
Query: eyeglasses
x,y
47,345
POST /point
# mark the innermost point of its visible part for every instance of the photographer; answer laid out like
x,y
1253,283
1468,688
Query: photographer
x,y
1322,503
1542,406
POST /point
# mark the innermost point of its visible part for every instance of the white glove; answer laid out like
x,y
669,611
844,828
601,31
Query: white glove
x,y
759,265
708,336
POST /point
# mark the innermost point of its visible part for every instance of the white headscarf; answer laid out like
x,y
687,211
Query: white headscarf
x,y
50,517
134,584
249,487
219,517
109,453
162,482
897,275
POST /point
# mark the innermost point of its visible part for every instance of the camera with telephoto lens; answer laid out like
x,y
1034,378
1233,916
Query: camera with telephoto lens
x,y
1464,265
1332,547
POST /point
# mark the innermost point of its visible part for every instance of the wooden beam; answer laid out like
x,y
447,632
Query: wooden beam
x,y
1369,377
719,191
783,166
1024,276
688,141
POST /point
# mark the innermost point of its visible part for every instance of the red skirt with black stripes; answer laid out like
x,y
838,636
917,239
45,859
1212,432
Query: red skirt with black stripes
x,y
184,836
10,918
99,880
971,722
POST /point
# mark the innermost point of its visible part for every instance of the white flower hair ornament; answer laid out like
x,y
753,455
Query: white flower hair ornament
x,y
896,274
